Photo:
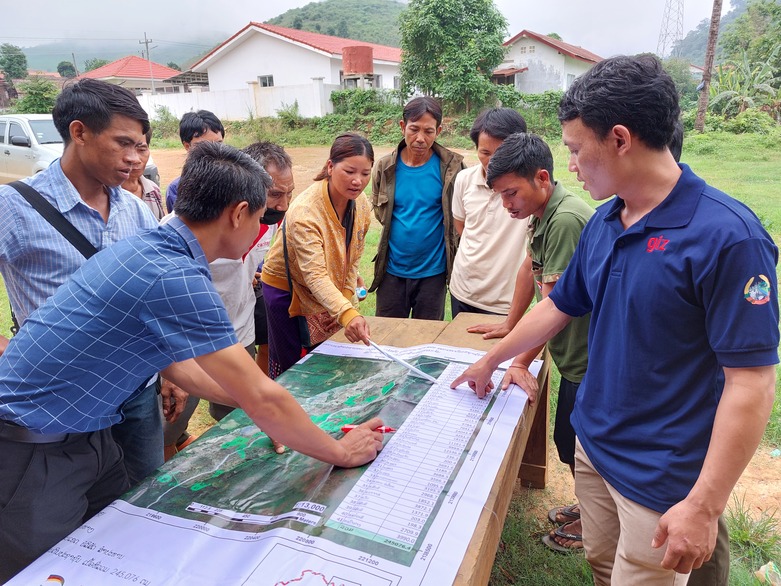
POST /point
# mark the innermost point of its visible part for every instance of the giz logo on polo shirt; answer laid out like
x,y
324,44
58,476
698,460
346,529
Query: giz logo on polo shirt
x,y
656,243
757,290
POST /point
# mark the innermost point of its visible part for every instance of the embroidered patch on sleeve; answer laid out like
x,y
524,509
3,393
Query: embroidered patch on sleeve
x,y
757,290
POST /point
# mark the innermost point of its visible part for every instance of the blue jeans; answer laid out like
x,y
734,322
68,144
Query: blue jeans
x,y
140,435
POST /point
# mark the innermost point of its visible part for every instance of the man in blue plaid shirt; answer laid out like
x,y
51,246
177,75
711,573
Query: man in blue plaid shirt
x,y
144,305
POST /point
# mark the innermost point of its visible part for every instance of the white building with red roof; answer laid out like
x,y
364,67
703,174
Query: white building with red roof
x,y
136,74
536,63
276,56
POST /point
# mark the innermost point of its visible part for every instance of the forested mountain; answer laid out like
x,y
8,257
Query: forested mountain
x,y
373,21
692,46
46,57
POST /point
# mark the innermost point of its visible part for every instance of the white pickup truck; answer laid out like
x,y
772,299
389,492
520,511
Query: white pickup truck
x,y
30,142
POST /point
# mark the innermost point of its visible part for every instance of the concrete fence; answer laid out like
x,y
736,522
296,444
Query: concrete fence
x,y
314,100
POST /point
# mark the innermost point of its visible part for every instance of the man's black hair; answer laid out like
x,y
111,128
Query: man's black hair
x,y
194,124
635,92
416,108
497,123
216,176
95,103
269,153
521,154
676,142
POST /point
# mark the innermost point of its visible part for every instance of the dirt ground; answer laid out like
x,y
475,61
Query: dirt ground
x,y
760,485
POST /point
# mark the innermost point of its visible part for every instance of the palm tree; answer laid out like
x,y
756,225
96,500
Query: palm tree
x,y
710,52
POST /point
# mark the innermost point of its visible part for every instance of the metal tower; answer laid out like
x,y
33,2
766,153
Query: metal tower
x,y
672,28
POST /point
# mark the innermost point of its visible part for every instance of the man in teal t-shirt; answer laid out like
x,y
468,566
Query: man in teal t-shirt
x,y
412,194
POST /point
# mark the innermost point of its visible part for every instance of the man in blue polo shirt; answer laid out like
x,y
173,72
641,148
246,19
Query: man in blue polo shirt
x,y
680,282
144,305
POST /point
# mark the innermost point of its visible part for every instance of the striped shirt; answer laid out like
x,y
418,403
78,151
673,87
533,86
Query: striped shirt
x,y
128,312
35,259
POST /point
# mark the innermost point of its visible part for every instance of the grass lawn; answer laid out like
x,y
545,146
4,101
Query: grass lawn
x,y
746,167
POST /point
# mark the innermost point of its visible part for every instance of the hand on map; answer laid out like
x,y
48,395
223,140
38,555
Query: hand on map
x,y
690,533
478,376
520,375
174,400
490,331
279,447
362,444
357,330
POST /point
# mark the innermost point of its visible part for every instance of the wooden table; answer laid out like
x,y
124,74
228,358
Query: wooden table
x,y
527,456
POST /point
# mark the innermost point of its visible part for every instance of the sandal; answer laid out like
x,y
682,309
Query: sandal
x,y
550,540
570,513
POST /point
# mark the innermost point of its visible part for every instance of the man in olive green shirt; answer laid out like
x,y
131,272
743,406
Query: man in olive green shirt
x,y
521,171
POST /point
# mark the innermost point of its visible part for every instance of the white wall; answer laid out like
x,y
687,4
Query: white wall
x,y
547,68
313,101
226,105
261,54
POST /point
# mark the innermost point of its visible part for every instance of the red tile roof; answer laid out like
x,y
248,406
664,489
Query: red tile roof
x,y
131,67
571,50
327,43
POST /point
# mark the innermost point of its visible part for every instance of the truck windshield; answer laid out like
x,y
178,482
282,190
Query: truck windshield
x,y
45,131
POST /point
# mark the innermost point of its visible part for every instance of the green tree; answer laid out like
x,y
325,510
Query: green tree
x,y
38,96
94,63
450,48
13,62
684,82
66,69
556,36
173,65
755,35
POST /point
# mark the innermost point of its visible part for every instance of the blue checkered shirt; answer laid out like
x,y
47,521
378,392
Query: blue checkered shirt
x,y
35,259
128,312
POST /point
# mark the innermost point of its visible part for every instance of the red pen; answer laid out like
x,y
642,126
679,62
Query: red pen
x,y
381,429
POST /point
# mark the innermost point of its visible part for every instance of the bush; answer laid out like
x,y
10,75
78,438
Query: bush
x,y
290,116
362,102
751,120
165,124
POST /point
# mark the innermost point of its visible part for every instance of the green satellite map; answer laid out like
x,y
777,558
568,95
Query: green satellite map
x,y
234,468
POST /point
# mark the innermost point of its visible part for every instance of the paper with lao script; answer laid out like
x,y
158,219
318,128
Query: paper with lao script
x,y
405,519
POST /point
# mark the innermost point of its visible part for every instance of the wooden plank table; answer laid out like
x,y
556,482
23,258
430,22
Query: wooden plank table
x,y
527,456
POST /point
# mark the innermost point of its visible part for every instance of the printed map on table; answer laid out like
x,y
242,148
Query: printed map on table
x,y
229,510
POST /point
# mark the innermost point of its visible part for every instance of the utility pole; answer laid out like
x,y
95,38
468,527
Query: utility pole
x,y
76,67
146,42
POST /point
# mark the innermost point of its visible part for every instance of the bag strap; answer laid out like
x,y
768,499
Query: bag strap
x,y
55,218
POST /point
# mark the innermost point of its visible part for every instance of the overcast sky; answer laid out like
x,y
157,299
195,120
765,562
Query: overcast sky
x,y
605,27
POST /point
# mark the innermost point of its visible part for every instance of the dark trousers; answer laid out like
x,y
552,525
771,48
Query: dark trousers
x,y
457,306
563,432
48,490
714,572
423,298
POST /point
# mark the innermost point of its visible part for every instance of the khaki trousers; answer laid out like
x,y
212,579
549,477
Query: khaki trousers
x,y
617,533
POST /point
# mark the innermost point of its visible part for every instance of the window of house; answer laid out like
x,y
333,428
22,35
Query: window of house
x,y
396,82
377,81
522,50
531,48
570,80
266,80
